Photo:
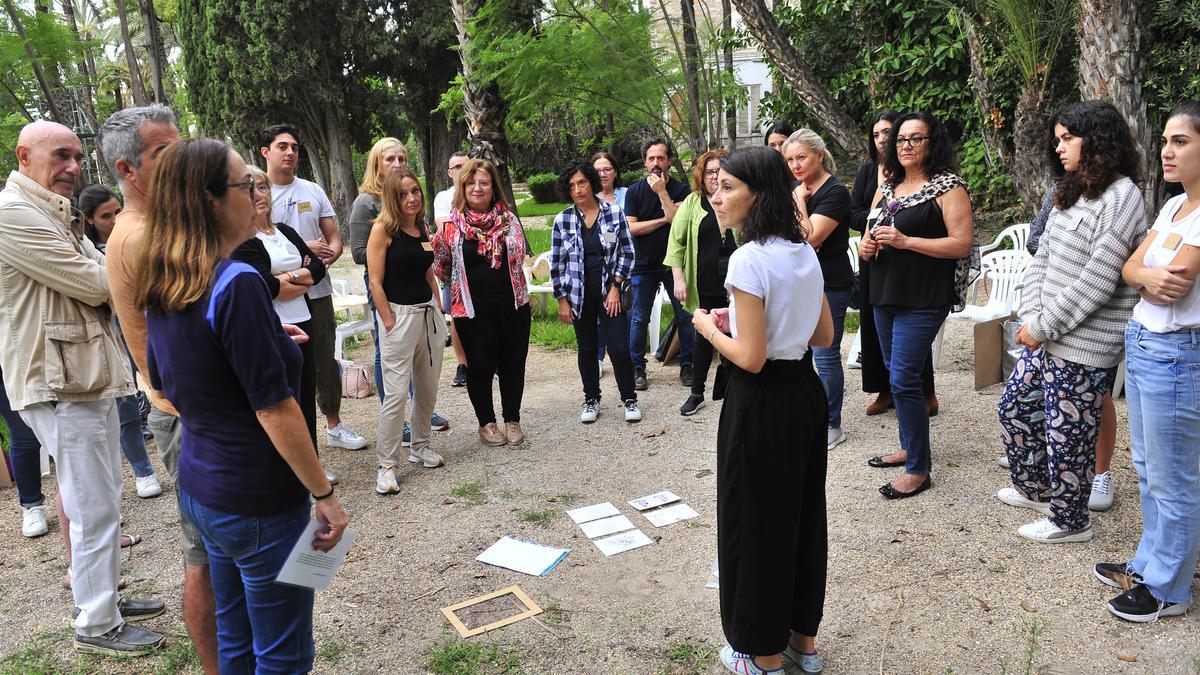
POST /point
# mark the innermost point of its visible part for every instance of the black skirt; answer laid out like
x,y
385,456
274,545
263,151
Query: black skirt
x,y
771,523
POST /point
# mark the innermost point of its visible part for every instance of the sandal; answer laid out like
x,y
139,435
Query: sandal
x,y
128,540
892,493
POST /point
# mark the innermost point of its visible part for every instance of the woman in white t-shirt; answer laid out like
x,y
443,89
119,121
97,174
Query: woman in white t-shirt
x,y
1162,387
771,457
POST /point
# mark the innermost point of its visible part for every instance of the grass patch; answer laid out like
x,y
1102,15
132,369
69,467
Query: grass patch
x,y
552,334
539,517
177,659
472,492
567,499
331,652
553,612
530,208
453,657
691,656
539,240
37,656
1034,630
853,322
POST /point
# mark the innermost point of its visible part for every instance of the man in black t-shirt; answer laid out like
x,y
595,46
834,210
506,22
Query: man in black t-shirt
x,y
650,204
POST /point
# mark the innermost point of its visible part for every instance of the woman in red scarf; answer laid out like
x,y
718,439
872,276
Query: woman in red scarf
x,y
480,253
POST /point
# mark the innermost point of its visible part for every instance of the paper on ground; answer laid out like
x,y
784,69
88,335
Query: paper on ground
x,y
310,568
669,515
619,543
656,499
599,528
523,556
586,514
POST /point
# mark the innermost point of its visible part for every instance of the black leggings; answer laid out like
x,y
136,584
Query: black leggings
x,y
496,342
308,384
875,375
702,353
616,332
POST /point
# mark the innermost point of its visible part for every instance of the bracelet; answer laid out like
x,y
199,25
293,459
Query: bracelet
x,y
712,335
327,495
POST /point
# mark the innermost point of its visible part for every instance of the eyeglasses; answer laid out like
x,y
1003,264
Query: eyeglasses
x,y
605,169
247,185
455,167
712,172
262,188
911,141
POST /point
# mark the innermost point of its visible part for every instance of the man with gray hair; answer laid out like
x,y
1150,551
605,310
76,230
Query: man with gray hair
x,y
63,371
131,140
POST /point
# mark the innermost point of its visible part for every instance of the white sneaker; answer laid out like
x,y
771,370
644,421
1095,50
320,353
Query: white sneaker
x,y
147,486
1003,462
833,437
1101,498
331,477
385,481
591,410
343,436
1012,497
1045,532
632,412
33,522
426,457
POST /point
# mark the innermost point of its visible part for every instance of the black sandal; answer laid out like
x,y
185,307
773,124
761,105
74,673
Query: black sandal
x,y
892,493
880,463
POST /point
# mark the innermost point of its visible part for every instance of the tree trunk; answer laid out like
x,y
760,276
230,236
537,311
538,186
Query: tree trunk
x,y
730,101
995,151
1110,69
691,75
485,108
439,141
154,44
135,76
56,112
1031,176
800,77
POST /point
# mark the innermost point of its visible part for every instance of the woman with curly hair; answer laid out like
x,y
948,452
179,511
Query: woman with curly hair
x,y
1074,307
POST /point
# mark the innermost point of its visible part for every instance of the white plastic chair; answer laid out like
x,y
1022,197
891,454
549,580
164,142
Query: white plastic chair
x,y
546,286
351,328
1004,271
1017,235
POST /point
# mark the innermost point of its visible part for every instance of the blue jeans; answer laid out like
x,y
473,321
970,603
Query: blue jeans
x,y
905,337
645,286
1162,388
262,626
133,443
829,360
25,453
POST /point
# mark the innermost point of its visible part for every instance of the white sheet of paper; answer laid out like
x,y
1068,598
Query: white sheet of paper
x,y
619,543
669,515
599,528
656,499
585,514
310,568
523,556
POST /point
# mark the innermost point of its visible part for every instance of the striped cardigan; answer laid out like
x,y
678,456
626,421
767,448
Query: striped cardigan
x,y
1073,298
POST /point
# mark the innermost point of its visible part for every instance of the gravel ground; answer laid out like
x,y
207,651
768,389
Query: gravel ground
x,y
939,583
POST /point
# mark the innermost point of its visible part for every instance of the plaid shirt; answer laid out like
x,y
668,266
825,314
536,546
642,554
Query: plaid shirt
x,y
566,252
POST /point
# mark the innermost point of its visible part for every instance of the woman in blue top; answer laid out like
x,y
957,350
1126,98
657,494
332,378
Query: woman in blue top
x,y
591,254
216,348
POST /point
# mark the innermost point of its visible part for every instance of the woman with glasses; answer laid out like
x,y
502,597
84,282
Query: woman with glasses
x,y
698,253
875,374
920,227
480,253
826,219
613,192
290,269
1074,306
248,468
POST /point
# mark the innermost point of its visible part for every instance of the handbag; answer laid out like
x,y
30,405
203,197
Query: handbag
x,y
356,383
625,289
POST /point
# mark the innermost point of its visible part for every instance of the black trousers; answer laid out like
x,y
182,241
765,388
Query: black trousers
x,y
496,342
702,354
616,337
308,383
875,375
771,524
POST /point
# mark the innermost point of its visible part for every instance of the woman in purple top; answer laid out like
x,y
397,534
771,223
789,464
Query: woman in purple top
x,y
216,348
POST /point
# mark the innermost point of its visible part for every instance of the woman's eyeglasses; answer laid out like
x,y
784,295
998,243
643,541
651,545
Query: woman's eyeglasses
x,y
911,141
247,185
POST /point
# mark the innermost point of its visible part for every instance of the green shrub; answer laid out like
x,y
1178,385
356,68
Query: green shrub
x,y
630,177
542,188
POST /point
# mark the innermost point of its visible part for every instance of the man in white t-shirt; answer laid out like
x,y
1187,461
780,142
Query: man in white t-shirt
x,y
303,206
443,202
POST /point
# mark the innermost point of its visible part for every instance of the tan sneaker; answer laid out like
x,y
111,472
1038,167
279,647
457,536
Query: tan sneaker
x,y
514,433
490,434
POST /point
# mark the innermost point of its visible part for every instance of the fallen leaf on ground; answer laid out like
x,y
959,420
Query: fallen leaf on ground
x,y
983,604
1027,607
448,500
897,538
704,472
658,431
952,465
1127,658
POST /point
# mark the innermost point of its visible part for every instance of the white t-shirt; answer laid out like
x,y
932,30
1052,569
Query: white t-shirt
x,y
285,257
1167,240
442,203
302,204
787,276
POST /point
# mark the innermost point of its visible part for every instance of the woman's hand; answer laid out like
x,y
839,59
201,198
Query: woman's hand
x,y
1024,339
564,311
867,247
298,336
890,236
612,304
703,322
388,322
330,514
1164,285
680,292
721,319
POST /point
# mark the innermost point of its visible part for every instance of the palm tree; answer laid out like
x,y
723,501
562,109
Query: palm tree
x,y
135,76
48,92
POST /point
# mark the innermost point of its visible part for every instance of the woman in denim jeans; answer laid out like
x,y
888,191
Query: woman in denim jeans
x,y
1162,385
922,226
216,348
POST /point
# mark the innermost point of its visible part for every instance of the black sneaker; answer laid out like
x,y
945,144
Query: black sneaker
x,y
639,379
692,405
1138,604
124,640
685,375
1117,575
460,376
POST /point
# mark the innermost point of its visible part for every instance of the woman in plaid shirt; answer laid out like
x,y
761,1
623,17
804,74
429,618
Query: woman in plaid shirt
x,y
591,254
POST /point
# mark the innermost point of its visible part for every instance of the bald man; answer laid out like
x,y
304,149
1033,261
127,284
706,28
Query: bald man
x,y
64,371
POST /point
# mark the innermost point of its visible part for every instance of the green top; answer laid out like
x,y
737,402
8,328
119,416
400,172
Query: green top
x,y
683,245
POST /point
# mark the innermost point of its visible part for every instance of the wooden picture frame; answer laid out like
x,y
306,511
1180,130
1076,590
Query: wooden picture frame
x,y
531,609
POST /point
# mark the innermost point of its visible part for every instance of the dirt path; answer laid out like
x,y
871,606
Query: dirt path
x,y
935,584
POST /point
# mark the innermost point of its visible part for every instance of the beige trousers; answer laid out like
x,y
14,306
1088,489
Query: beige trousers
x,y
410,352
